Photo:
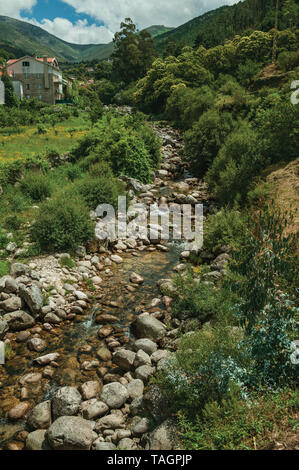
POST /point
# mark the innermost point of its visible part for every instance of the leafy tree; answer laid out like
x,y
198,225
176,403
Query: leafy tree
x,y
133,53
11,99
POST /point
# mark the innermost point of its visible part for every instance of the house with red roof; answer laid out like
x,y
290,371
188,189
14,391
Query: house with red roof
x,y
40,78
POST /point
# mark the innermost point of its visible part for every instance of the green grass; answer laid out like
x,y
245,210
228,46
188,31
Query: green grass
x,y
67,262
27,142
4,268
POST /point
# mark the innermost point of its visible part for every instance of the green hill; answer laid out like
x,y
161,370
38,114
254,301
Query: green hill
x,y
21,38
218,25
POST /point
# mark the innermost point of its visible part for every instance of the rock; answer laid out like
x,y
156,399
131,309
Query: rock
x,y
80,251
47,359
12,304
163,437
40,416
114,395
3,328
145,345
93,409
99,445
136,279
144,372
66,402
127,444
36,440
9,285
155,403
11,247
116,259
141,427
31,379
33,297
159,355
19,269
135,389
142,359
37,344
150,327
52,318
136,407
19,320
23,336
70,433
90,389
113,421
104,354
18,411
124,359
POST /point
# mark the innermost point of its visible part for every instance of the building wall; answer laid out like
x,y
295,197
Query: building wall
x,y
2,92
39,80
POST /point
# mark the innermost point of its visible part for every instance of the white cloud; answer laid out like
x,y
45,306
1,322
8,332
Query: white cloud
x,y
145,12
78,33
13,8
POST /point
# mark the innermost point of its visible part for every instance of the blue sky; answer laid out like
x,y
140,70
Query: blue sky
x,y
96,21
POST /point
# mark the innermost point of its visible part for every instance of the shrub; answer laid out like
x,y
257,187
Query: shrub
x,y
36,186
237,164
62,224
205,139
223,228
67,262
98,190
3,239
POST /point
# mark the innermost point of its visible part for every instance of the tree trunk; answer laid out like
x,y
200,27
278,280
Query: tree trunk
x,y
275,33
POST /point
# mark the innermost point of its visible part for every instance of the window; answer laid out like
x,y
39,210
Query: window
x,y
26,75
28,97
39,86
26,64
40,97
27,86
38,75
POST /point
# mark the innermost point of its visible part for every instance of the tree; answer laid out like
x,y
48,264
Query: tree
x,y
133,54
10,97
274,55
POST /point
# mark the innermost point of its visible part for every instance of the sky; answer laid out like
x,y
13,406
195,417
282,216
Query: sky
x,y
96,21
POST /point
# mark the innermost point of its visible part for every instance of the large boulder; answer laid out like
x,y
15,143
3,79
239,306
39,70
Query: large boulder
x,y
71,433
155,403
66,402
163,437
19,269
114,395
40,416
33,297
150,327
19,320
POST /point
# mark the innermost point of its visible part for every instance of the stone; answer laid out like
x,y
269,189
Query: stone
x,y
37,344
9,285
112,421
136,407
159,355
145,345
90,389
155,403
36,440
124,359
47,359
127,444
70,433
23,336
104,354
93,409
136,279
19,320
19,269
116,259
114,395
99,445
31,379
18,411
144,372
52,318
12,304
80,295
33,298
40,416
66,402
135,389
3,328
142,359
141,427
163,437
150,327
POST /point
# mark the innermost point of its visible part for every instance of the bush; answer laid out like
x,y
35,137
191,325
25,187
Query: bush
x,y
203,368
237,164
226,227
205,139
62,224
288,61
98,190
36,186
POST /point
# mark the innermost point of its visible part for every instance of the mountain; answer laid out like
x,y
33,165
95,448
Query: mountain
x,y
216,26
21,38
